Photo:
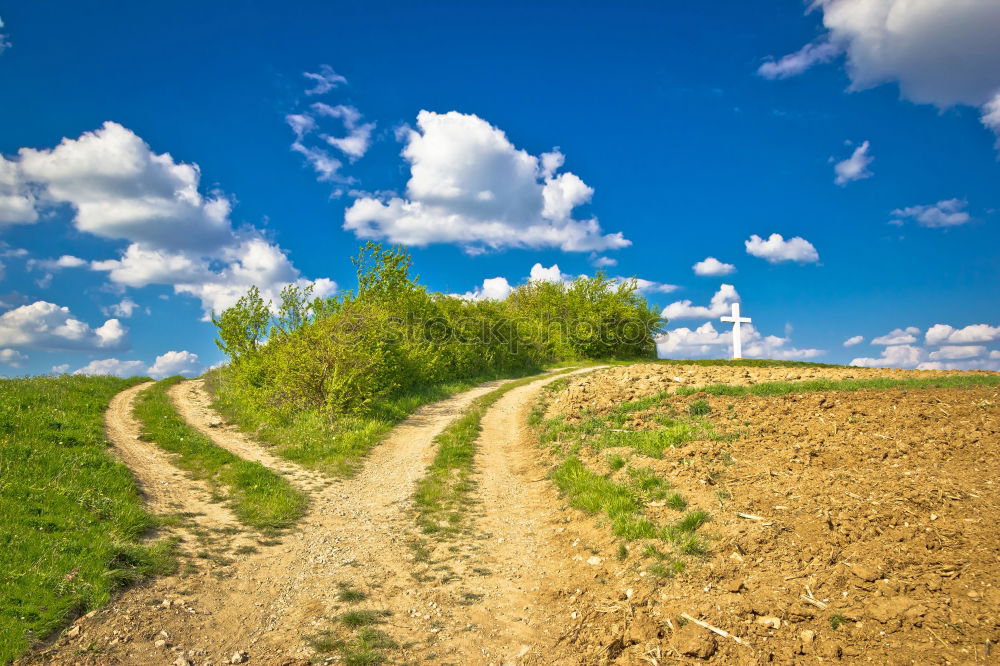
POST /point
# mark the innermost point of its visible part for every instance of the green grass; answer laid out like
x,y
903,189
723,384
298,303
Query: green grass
x,y
336,447
258,496
622,503
441,497
71,514
366,647
769,389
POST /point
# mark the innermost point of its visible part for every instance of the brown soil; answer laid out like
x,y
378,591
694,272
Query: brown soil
x,y
603,390
882,506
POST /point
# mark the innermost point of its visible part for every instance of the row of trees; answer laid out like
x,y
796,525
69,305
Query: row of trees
x,y
347,353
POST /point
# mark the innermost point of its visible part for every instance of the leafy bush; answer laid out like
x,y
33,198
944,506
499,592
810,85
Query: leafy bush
x,y
360,351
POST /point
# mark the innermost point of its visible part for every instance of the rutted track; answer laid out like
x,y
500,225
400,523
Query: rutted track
x,y
166,489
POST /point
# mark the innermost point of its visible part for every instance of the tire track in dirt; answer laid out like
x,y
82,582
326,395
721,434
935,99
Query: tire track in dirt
x,y
165,488
266,603
194,404
514,594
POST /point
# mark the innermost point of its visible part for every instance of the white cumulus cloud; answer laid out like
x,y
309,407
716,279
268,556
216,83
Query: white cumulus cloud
x,y
17,203
893,356
47,326
854,167
120,189
706,342
712,267
947,213
721,304
493,289
776,249
12,357
470,186
940,334
940,52
956,352
175,363
854,340
111,367
898,336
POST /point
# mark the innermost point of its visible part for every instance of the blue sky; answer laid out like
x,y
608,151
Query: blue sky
x,y
172,155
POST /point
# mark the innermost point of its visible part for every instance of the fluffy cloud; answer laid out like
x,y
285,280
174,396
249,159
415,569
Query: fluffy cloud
x,y
120,189
124,309
956,352
957,349
493,289
43,325
17,203
324,81
940,52
59,369
776,249
854,340
940,334
551,274
706,342
720,305
893,356
899,336
854,167
946,213
712,267
12,357
991,117
166,365
794,64
175,363
111,367
470,186
498,288
602,262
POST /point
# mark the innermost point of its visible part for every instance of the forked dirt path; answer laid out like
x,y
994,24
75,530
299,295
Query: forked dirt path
x,y
165,488
263,603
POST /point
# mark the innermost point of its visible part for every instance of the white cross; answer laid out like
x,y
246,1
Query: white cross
x,y
737,320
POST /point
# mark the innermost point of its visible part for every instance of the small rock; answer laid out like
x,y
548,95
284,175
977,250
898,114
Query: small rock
x,y
887,609
182,661
769,621
160,643
215,423
733,586
74,632
865,573
239,658
595,560
693,641
643,628
807,636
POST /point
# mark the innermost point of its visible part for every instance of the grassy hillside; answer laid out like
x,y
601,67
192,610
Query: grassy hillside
x,y
72,515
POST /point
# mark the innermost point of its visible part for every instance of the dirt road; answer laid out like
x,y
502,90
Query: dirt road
x,y
247,596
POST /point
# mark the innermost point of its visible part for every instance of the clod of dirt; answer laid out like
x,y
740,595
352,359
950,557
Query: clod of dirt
x,y
693,641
